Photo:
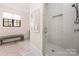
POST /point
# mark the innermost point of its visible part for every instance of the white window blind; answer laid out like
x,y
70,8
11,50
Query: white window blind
x,y
11,16
7,15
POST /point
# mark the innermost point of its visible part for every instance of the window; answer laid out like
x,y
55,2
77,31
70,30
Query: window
x,y
17,21
10,20
7,22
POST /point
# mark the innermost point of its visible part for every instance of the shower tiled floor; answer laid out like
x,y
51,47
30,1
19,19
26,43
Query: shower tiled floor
x,y
22,48
58,51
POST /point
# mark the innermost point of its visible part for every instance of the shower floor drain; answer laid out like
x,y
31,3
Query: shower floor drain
x,y
53,50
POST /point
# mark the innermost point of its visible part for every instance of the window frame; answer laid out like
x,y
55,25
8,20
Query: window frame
x,y
12,21
7,22
17,22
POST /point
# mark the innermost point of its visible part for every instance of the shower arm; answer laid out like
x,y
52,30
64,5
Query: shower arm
x,y
76,7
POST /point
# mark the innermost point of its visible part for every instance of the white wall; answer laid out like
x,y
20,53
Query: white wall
x,y
54,26
24,29
61,29
36,37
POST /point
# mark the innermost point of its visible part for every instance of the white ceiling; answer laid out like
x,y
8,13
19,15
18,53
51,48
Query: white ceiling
x,y
20,6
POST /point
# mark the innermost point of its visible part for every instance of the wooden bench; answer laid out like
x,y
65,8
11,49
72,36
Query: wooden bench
x,y
9,37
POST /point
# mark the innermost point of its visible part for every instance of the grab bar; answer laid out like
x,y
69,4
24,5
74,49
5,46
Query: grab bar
x,y
57,15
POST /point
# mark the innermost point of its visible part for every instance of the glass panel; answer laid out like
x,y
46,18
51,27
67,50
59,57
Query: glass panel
x,y
7,22
17,23
10,24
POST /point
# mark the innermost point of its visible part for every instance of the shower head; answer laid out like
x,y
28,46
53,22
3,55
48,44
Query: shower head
x,y
73,5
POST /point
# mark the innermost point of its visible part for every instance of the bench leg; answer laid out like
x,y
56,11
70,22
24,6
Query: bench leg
x,y
1,42
22,38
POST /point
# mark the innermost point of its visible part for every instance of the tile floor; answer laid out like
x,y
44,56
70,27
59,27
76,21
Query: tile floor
x,y
22,48
58,51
